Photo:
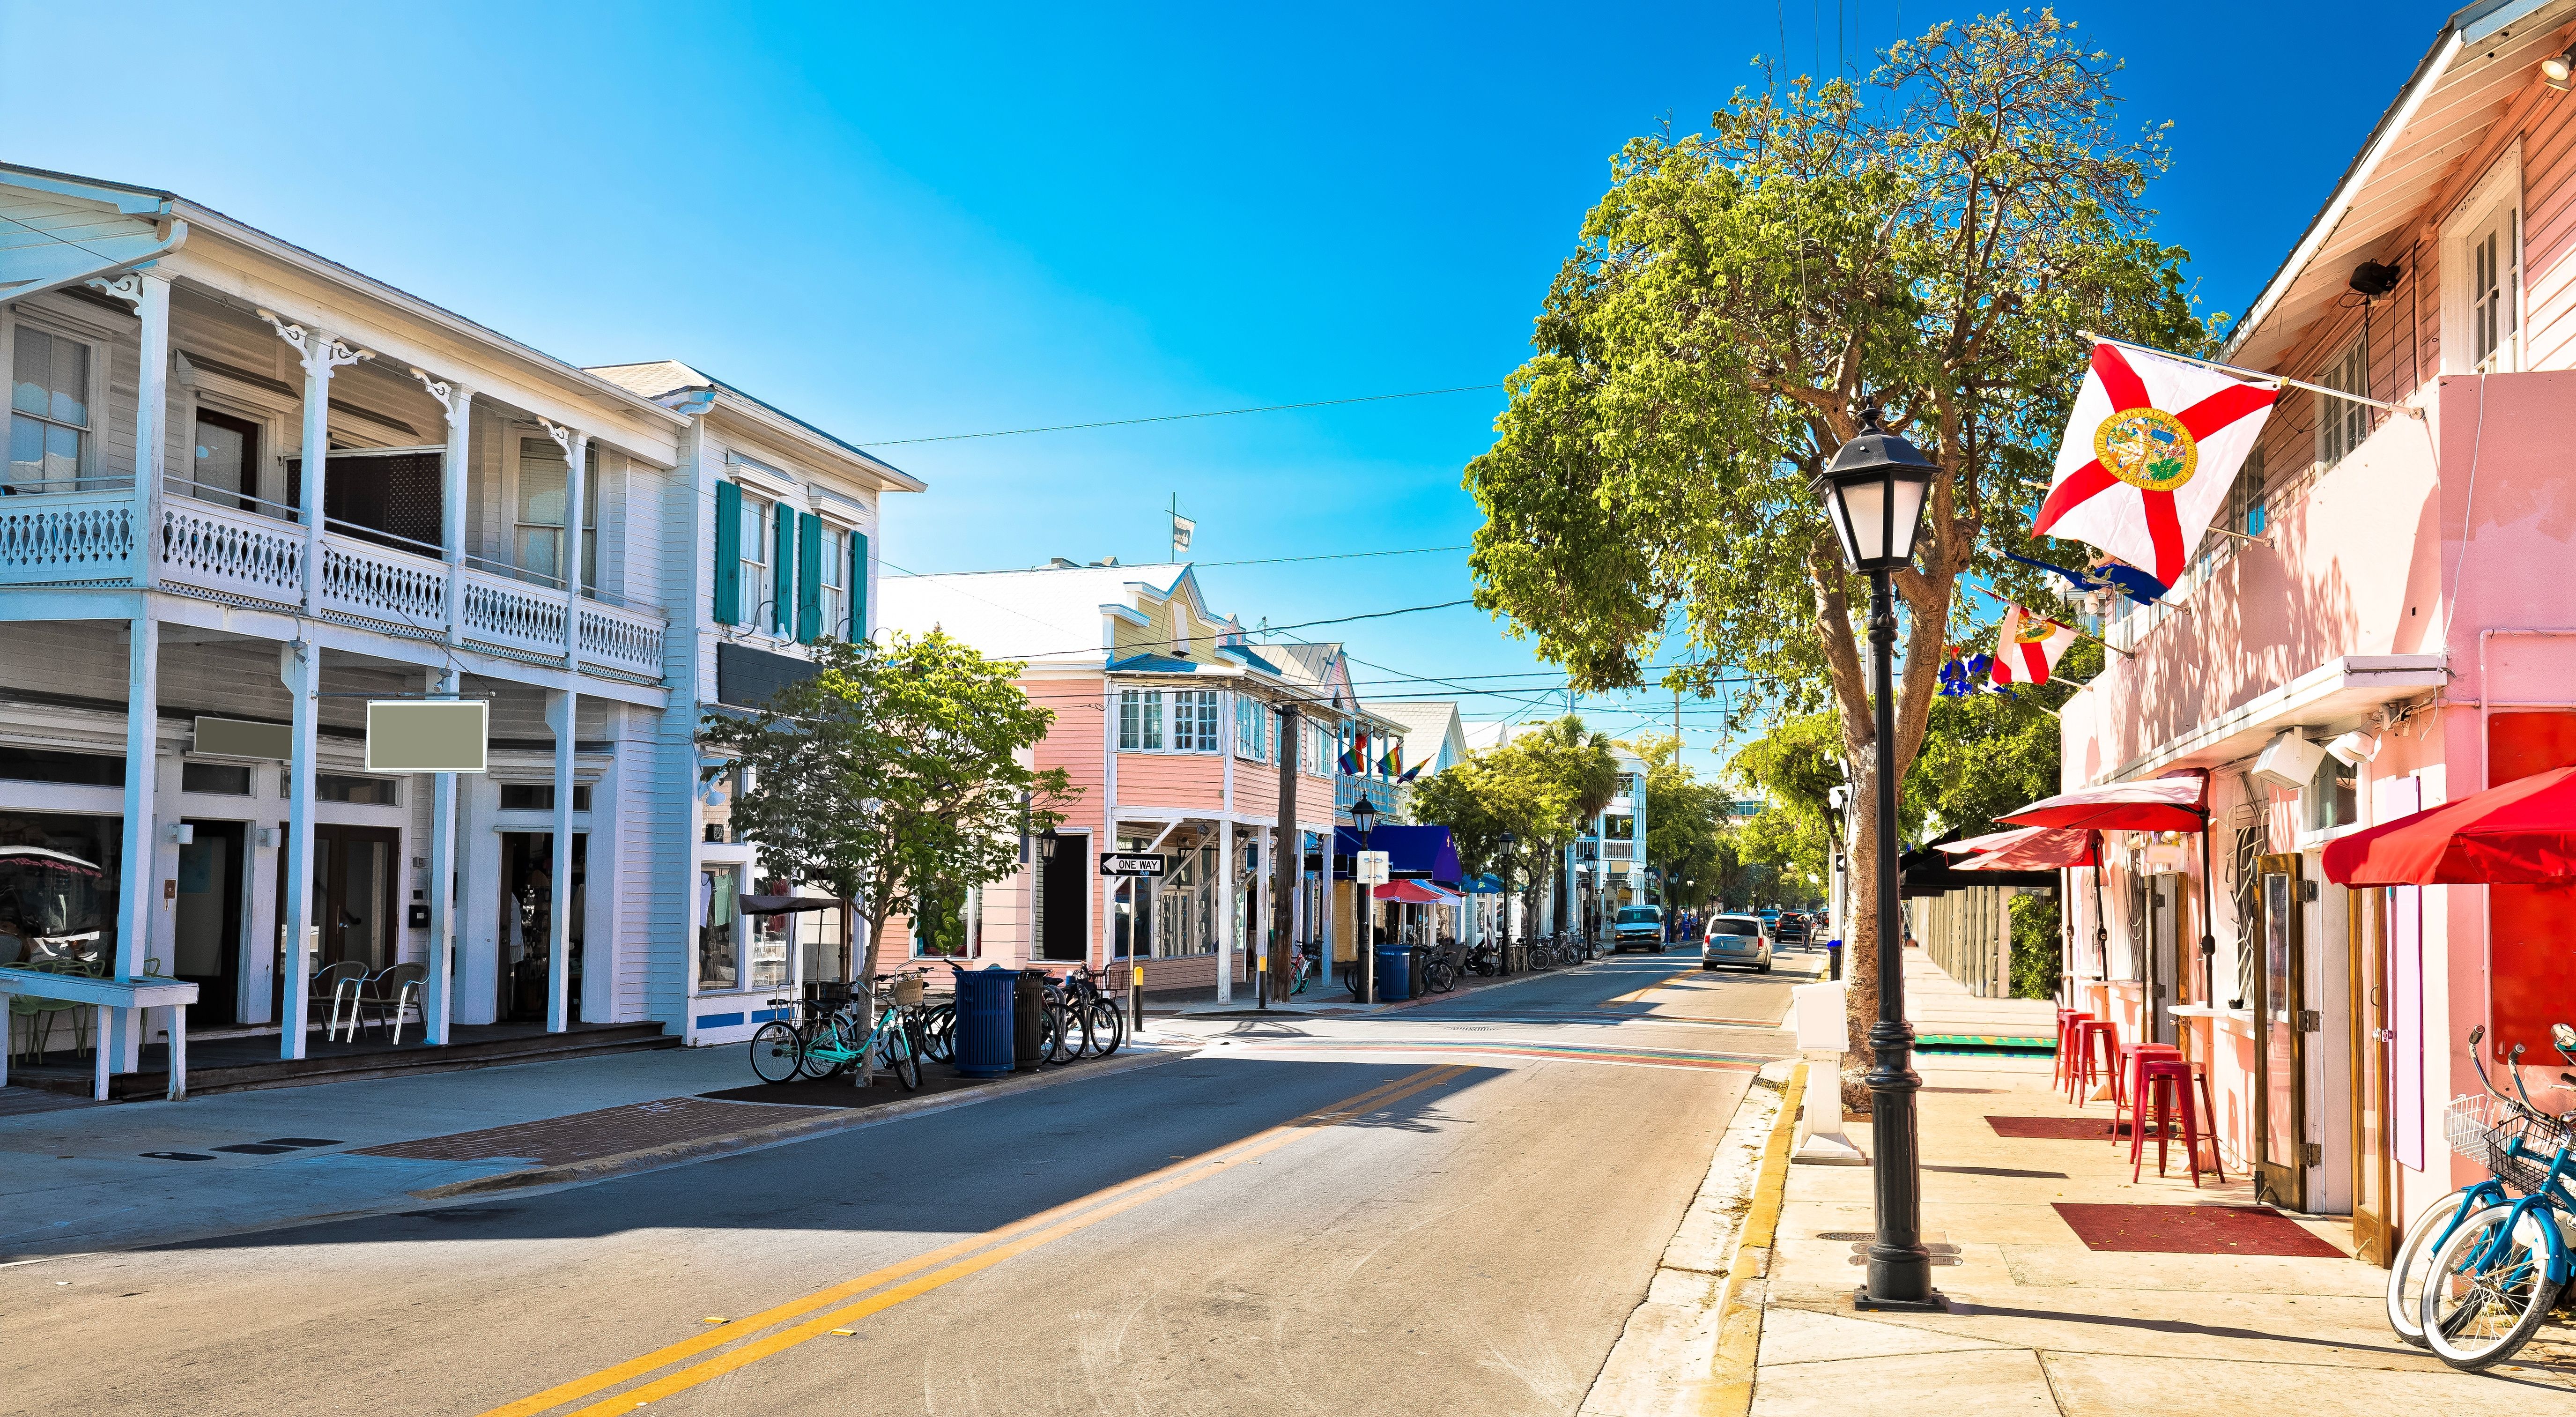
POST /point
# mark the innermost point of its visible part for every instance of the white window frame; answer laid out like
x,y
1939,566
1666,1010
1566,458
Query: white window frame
x,y
753,541
88,472
2498,197
1141,721
2343,425
1197,721
566,545
835,578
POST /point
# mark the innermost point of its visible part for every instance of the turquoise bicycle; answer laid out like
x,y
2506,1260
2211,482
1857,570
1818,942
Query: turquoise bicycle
x,y
2503,1261
781,1052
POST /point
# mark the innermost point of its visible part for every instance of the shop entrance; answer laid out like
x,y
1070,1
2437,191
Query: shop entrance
x,y
527,926
206,921
2164,954
2280,1040
2377,930
353,905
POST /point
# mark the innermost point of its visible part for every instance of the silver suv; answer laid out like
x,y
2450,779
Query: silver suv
x,y
1736,939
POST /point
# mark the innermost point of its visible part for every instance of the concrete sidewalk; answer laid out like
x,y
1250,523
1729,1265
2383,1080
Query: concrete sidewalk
x,y
111,1177
2042,1323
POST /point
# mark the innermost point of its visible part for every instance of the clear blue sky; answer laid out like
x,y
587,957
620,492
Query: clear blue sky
x,y
903,224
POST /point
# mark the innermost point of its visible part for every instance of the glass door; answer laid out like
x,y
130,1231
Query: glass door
x,y
206,925
2280,1053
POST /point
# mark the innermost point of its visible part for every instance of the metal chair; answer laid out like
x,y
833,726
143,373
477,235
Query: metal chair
x,y
390,994
338,986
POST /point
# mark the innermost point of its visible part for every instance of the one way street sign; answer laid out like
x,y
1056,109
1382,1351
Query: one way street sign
x,y
1131,863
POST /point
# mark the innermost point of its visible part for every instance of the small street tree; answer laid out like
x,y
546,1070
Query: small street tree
x,y
1539,787
893,777
1741,297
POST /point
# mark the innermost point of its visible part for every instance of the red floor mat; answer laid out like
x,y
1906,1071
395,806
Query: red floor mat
x,y
2062,1128
2193,1230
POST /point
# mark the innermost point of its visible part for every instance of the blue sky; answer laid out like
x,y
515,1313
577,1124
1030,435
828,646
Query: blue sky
x,y
904,222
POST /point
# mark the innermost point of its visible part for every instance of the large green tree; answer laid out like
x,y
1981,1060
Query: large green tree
x,y
894,777
1741,297
1540,787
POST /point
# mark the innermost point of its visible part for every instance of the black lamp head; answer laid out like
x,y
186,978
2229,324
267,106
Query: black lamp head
x,y
2372,279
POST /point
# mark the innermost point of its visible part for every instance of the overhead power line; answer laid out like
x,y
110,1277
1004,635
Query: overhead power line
x,y
1175,417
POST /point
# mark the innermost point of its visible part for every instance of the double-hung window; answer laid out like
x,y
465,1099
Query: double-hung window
x,y
49,412
1140,720
835,575
545,481
1251,728
2341,423
754,554
2495,276
1194,722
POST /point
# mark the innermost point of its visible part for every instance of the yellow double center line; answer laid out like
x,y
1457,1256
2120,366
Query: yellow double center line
x,y
946,1265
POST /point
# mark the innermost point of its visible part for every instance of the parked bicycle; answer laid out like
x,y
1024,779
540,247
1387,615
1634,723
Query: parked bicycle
x,y
782,1051
1092,1014
1302,972
2500,1262
1484,959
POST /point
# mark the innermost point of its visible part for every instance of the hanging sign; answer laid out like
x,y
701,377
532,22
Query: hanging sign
x,y
1372,869
427,735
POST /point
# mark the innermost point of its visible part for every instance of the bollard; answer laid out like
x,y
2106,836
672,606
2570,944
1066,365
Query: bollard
x,y
1816,1015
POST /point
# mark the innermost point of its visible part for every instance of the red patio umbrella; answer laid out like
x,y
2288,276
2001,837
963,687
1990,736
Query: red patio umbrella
x,y
1989,842
1414,893
2521,834
2039,849
2176,802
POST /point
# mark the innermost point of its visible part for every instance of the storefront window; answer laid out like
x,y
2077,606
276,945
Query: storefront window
x,y
719,922
818,935
57,888
766,950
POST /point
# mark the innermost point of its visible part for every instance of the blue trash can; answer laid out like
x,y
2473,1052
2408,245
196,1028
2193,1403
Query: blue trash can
x,y
985,1046
1394,975
1833,959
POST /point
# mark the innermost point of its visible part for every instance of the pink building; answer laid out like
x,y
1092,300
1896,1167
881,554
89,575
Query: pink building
x,y
2405,597
1167,721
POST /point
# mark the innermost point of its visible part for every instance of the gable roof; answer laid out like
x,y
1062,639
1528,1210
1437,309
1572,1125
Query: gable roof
x,y
1430,727
663,380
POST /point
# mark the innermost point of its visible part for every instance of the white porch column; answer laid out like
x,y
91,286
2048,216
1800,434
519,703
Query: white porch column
x,y
1224,912
560,715
457,401
300,666
138,873
321,352
576,450
436,1001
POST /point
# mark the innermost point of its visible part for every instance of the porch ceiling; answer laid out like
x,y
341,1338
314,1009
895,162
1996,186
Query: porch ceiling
x,y
2465,87
57,231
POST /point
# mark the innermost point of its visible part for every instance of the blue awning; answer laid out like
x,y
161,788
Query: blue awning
x,y
1412,853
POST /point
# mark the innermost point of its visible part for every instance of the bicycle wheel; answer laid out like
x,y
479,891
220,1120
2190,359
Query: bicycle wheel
x,y
1068,1042
939,1034
900,1057
1108,1027
2487,1291
777,1053
828,1035
2414,1261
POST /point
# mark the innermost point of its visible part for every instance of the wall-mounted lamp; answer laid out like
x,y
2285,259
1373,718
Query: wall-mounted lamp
x,y
184,833
2556,70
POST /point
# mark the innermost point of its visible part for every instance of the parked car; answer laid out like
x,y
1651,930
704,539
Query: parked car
x,y
1639,927
1790,928
1738,940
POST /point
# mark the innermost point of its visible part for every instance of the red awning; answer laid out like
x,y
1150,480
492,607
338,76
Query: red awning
x,y
2038,849
1990,841
2175,803
1415,893
2523,833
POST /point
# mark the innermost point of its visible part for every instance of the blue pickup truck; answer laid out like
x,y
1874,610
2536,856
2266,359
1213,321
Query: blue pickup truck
x,y
1639,927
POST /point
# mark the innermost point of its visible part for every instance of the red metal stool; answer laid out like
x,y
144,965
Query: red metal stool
x,y
2091,1062
2126,1106
2066,1021
2165,1084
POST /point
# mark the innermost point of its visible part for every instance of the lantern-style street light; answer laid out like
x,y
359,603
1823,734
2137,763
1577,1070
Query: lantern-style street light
x,y
1503,946
1363,817
1873,491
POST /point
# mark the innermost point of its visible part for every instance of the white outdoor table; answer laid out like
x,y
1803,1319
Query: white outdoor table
x,y
150,992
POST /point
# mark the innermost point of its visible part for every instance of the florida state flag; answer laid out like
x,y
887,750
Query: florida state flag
x,y
2029,647
2149,455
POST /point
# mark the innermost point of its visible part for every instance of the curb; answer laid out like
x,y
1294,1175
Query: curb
x,y
1739,1338
797,1129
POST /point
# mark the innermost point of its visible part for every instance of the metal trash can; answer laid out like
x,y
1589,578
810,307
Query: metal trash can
x,y
984,1030
1421,965
1394,975
1833,959
1028,1025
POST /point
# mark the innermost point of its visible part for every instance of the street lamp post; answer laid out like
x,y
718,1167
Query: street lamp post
x,y
1874,491
1503,946
1364,817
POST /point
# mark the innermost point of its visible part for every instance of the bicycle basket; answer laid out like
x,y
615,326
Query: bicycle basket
x,y
2484,1129
907,991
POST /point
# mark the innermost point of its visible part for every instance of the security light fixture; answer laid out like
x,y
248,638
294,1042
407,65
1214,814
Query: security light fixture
x,y
2557,69
2372,279
1873,491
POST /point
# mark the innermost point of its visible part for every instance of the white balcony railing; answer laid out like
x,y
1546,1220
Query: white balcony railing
x,y
55,538
242,557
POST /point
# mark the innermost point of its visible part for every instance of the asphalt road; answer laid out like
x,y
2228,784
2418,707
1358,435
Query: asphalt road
x,y
1446,1209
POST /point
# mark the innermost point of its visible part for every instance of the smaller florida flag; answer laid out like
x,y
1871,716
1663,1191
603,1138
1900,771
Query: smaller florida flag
x,y
2029,647
2152,447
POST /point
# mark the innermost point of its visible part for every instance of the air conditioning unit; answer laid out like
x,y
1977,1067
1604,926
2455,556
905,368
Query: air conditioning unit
x,y
2289,761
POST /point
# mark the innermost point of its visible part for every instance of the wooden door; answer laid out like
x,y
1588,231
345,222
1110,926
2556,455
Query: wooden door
x,y
2372,1039
2280,1042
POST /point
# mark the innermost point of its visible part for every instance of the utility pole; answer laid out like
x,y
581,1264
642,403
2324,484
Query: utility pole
x,y
1287,850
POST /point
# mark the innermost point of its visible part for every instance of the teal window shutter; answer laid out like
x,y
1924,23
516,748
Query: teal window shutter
x,y
858,585
728,553
782,609
809,578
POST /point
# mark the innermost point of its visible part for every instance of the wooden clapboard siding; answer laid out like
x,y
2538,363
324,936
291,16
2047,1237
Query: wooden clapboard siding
x,y
1187,781
2549,238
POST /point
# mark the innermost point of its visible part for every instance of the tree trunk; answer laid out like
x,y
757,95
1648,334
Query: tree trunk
x,y
1860,931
